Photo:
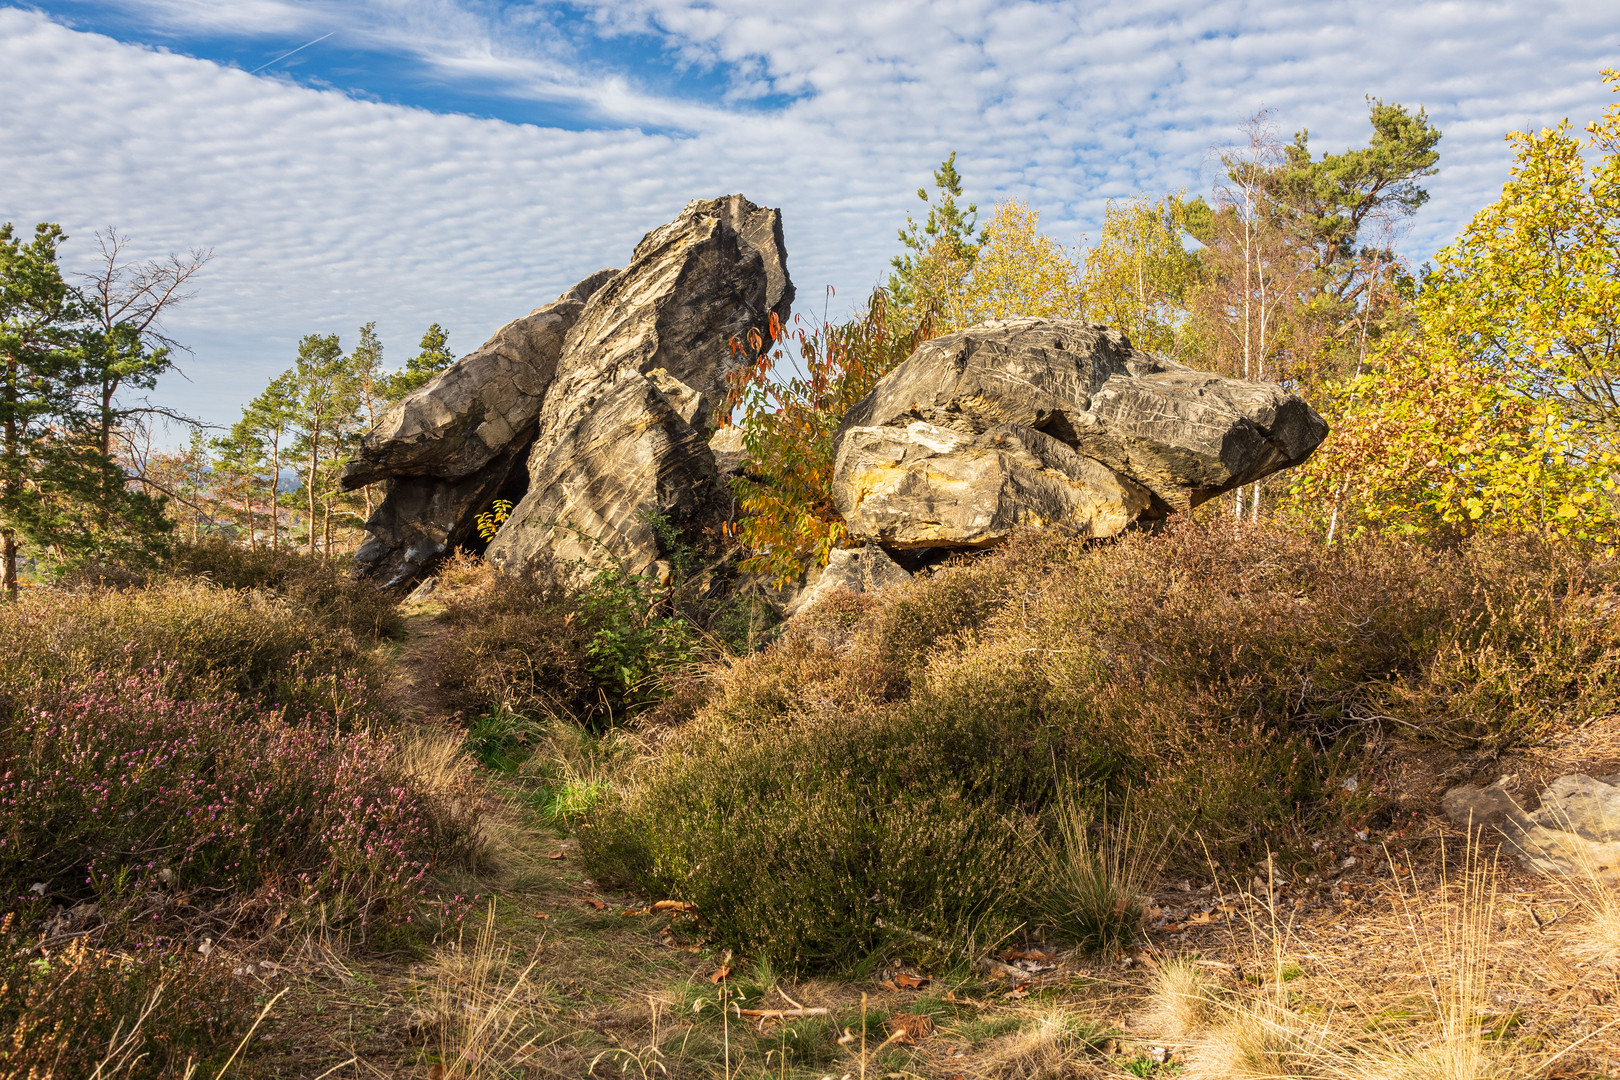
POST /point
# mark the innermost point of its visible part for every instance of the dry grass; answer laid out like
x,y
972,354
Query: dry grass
x,y
1183,1002
484,1015
1050,1045
1439,1021
1097,894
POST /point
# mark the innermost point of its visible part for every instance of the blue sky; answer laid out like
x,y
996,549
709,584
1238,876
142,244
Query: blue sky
x,y
463,161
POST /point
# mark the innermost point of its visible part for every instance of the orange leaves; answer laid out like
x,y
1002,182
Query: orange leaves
x,y
788,517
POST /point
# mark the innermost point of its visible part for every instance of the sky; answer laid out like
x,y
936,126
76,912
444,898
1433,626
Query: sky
x,y
464,161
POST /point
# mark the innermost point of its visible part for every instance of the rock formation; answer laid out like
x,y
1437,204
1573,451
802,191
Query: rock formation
x,y
1575,833
592,413
857,570
623,433
1051,423
451,446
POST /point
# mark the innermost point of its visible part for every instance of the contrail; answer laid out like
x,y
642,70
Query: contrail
x,y
284,55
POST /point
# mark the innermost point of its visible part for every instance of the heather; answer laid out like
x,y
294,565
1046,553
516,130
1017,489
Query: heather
x,y
887,769
206,637
120,791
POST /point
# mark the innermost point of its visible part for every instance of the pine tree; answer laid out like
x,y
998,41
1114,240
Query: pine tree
x,y
929,278
269,417
432,357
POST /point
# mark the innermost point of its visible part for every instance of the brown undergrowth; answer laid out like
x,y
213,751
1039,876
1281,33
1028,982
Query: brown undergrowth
x,y
841,805
890,766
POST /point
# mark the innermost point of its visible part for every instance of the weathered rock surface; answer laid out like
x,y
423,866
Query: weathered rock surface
x,y
448,449
1575,832
623,431
1051,423
857,570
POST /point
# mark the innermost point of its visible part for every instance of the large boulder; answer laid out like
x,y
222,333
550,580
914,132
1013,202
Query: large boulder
x,y
1575,832
623,434
451,446
1051,423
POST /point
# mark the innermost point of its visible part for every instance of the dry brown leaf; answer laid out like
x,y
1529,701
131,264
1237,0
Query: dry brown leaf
x,y
1016,954
1019,991
910,982
541,915
674,905
597,904
556,854
888,984
914,1025
720,973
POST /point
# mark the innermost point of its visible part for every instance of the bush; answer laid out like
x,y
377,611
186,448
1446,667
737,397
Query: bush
x,y
118,789
896,758
211,639
530,644
327,591
72,1011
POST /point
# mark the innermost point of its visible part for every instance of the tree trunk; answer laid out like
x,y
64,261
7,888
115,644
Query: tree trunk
x,y
275,492
309,482
8,564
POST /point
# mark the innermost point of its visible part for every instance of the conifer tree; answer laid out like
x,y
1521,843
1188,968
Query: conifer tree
x,y
928,278
433,356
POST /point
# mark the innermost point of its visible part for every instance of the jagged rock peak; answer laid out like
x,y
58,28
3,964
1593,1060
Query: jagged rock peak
x,y
623,436
452,445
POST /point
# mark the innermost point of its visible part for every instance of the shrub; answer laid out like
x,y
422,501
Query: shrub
x,y
118,788
72,1011
327,590
211,639
533,645
896,758
789,522
323,590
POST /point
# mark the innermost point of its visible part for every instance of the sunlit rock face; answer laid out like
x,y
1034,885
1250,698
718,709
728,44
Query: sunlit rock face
x,y
623,436
1050,423
452,445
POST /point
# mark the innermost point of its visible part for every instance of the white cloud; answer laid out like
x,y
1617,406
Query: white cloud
x,y
326,211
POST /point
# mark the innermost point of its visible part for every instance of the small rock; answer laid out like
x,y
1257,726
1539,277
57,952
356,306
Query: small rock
x,y
1575,832
858,570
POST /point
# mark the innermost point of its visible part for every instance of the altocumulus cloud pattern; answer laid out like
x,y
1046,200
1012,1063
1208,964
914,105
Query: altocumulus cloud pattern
x,y
464,161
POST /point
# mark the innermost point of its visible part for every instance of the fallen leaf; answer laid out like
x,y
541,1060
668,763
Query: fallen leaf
x,y
1014,954
555,855
674,905
597,904
914,1025
910,982
720,973
1019,991
541,915
888,984
1201,918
